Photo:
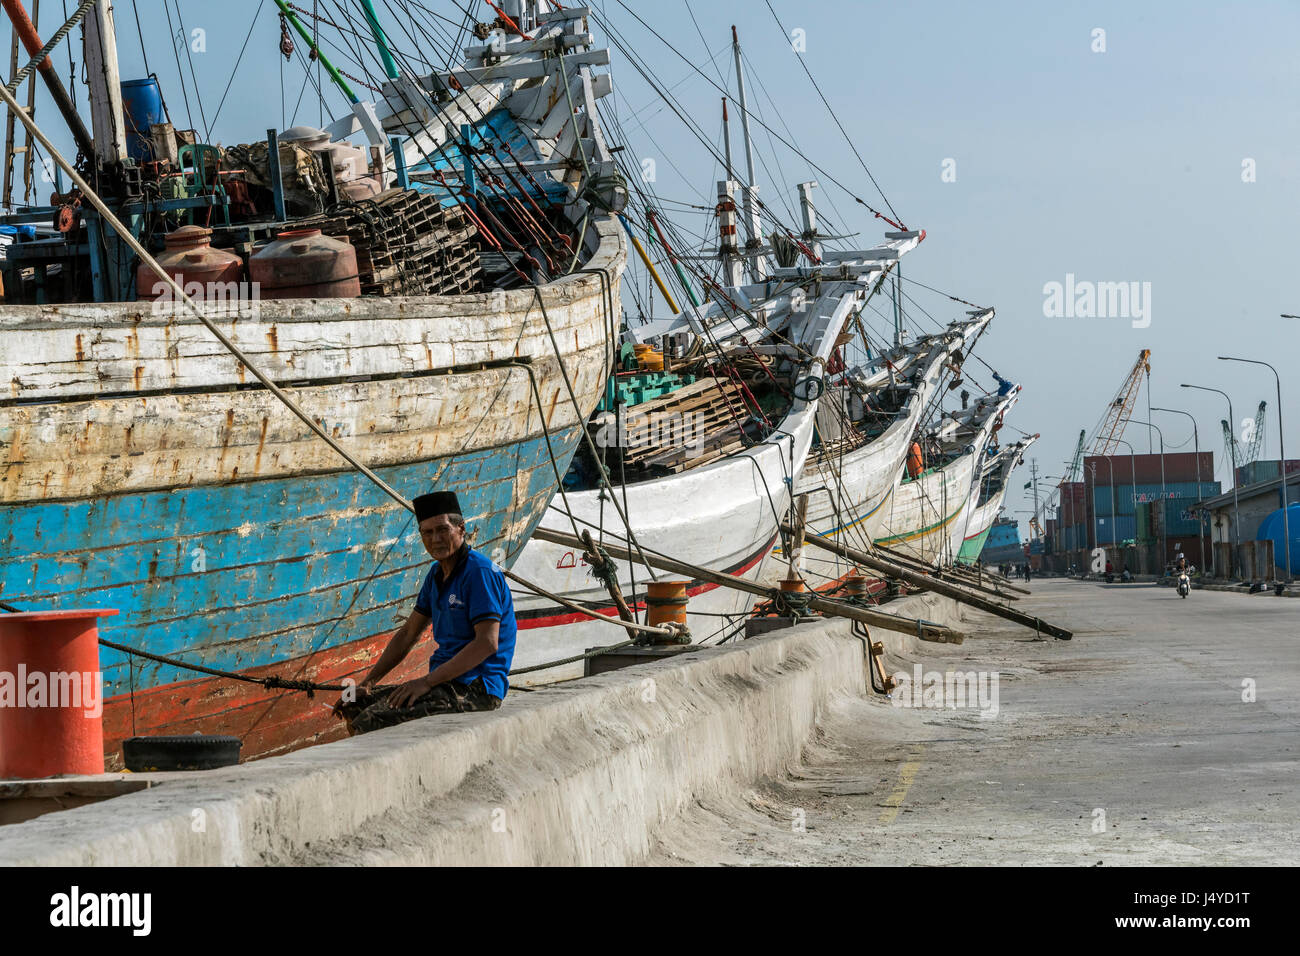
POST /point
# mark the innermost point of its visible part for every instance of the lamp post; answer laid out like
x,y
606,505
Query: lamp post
x,y
1281,450
1196,444
1236,502
1164,535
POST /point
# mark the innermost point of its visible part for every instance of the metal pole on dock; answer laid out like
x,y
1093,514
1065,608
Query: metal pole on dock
x,y
1281,450
1236,501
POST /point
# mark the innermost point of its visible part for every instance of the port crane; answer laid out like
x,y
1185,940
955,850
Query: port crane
x,y
1236,454
1108,434
1110,428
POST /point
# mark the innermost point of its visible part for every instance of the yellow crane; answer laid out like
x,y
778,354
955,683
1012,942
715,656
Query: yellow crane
x,y
1111,430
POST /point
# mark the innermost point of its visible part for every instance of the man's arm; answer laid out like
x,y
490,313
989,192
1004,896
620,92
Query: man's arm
x,y
466,659
399,645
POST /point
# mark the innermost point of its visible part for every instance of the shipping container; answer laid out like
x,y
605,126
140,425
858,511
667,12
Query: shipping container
x,y
1103,501
1178,466
1180,519
1118,529
1268,470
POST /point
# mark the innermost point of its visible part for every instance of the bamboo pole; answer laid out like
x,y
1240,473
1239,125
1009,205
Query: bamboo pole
x,y
931,571
987,581
928,583
925,630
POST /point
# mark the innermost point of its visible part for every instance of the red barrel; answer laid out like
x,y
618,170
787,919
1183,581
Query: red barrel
x,y
303,264
189,258
51,694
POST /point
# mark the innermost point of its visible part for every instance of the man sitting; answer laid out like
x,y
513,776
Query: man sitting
x,y
468,600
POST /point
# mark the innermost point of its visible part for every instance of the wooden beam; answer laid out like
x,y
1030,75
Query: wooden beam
x,y
925,630
927,582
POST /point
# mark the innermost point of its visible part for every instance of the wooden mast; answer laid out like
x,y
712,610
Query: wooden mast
x,y
105,85
757,265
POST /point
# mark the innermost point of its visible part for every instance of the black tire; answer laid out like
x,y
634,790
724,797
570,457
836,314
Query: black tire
x,y
193,752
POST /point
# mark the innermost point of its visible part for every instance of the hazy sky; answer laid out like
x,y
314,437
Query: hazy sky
x,y
1119,166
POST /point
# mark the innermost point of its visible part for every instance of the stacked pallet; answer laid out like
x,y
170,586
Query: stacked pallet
x,y
408,243
693,426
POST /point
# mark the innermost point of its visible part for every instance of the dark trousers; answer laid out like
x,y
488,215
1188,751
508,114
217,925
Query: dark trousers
x,y
372,712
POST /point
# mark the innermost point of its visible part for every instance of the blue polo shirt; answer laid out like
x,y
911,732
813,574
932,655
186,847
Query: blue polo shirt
x,y
476,591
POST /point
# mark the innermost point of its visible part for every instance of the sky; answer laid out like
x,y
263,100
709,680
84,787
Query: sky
x,y
1136,142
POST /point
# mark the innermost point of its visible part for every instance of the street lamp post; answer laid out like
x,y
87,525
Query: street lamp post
x,y
1281,450
1196,444
1164,534
1236,501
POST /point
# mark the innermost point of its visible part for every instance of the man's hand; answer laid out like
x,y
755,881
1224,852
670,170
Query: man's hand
x,y
361,692
405,694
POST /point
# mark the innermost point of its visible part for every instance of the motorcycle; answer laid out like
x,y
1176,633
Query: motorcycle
x,y
1184,583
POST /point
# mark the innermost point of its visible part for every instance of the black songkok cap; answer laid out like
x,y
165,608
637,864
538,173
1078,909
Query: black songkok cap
x,y
436,503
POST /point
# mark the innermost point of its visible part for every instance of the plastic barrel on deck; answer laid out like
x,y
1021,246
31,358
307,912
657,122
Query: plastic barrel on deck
x,y
141,108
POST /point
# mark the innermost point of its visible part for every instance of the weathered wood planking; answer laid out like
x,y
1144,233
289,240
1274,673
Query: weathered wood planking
x,y
83,448
49,352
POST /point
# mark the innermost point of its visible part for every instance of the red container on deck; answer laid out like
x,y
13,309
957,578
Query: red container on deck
x,y
189,258
304,264
49,723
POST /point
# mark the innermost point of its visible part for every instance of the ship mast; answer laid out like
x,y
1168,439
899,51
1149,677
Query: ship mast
x,y
105,85
757,266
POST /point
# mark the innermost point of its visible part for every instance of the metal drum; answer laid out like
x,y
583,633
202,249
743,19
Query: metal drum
x,y
189,258
303,264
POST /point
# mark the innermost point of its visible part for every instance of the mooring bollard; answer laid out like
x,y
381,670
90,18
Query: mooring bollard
x,y
51,693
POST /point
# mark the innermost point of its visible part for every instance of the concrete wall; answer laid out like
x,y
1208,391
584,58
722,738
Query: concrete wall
x,y
581,773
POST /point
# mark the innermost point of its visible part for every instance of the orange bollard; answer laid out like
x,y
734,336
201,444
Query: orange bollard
x,y
666,602
51,694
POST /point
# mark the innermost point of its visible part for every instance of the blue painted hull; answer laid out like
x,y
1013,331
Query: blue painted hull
x,y
248,574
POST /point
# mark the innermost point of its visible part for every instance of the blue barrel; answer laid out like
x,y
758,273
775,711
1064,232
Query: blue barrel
x,y
1272,527
142,108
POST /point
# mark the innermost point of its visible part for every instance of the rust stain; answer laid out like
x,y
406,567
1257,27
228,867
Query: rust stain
x,y
81,349
273,339
153,568
139,376
261,442
129,429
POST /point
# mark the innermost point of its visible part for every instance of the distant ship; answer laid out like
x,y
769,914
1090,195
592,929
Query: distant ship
x,y
1003,545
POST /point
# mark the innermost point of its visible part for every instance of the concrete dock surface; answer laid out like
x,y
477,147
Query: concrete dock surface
x,y
1166,732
